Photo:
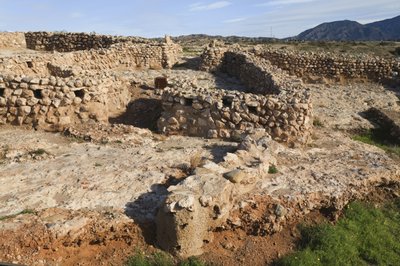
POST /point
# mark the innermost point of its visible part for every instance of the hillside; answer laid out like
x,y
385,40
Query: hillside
x,y
348,30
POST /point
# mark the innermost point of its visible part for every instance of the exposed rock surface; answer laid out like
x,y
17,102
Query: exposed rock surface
x,y
341,106
307,179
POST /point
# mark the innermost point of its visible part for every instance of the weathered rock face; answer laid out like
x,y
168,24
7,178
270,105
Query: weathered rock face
x,y
203,202
54,103
184,221
277,102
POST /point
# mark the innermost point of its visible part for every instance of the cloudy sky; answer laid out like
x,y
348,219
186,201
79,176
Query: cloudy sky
x,y
152,18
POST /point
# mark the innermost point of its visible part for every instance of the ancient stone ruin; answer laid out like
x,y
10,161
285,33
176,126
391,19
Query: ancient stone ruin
x,y
273,101
53,91
70,79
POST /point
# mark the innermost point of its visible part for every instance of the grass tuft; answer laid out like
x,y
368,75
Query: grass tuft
x,y
157,259
364,236
192,261
272,169
160,259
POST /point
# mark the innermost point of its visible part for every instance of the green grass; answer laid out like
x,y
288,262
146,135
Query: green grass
x,y
364,236
272,169
26,211
160,259
378,139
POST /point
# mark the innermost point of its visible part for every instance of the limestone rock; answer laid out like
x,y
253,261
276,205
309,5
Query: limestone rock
x,y
235,176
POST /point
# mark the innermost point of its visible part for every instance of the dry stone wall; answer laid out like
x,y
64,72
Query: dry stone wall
x,y
12,40
53,90
250,71
332,66
68,42
212,56
158,55
279,103
54,103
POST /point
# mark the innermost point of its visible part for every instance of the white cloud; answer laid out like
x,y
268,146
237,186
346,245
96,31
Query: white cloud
x,y
211,6
234,20
284,2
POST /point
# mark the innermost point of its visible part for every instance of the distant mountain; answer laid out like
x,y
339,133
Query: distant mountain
x,y
391,27
348,30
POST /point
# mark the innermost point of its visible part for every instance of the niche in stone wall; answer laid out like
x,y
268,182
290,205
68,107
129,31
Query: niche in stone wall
x,y
1,92
188,102
252,110
227,102
38,94
29,64
80,93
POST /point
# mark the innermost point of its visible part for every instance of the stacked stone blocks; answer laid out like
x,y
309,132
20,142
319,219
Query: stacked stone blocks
x,y
276,102
331,66
50,103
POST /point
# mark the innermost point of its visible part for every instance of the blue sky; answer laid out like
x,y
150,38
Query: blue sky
x,y
151,18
